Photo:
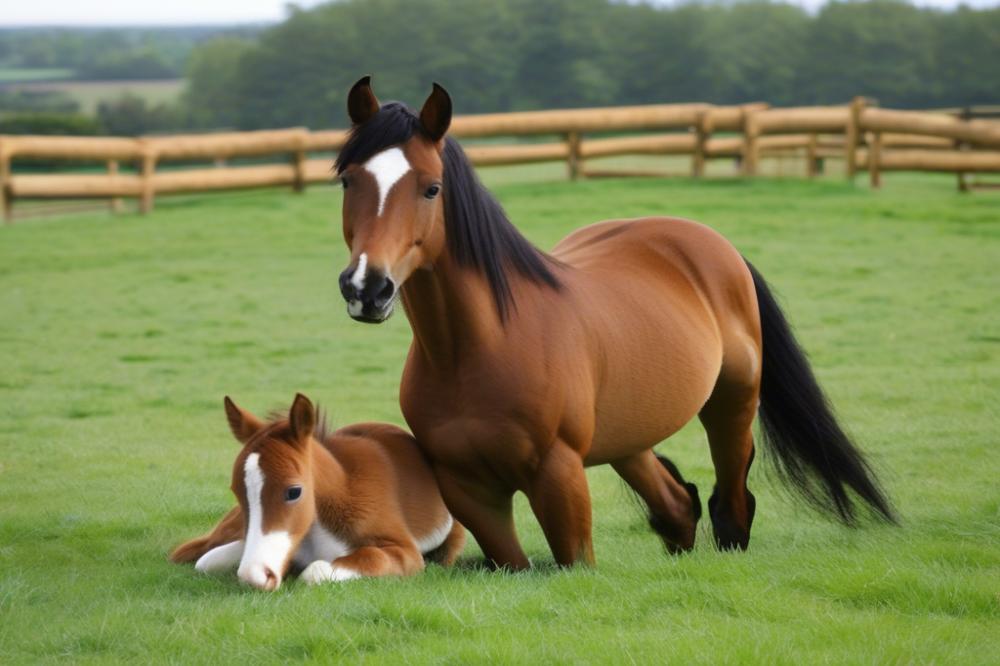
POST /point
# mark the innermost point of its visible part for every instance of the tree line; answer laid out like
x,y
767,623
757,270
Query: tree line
x,y
503,55
106,53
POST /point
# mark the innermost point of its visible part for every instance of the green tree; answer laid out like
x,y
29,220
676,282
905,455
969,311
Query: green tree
x,y
210,93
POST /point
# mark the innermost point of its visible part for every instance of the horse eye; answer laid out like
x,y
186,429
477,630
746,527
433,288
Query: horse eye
x,y
292,493
343,182
432,191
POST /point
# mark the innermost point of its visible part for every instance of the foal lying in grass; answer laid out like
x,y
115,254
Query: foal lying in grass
x,y
360,501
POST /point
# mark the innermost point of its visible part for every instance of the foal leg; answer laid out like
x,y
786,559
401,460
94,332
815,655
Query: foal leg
x,y
448,552
368,561
228,531
727,417
560,498
489,515
674,506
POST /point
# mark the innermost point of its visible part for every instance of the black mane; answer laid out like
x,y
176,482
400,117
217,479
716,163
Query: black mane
x,y
479,234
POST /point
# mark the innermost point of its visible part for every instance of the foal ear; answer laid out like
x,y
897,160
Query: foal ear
x,y
243,424
435,117
361,101
302,418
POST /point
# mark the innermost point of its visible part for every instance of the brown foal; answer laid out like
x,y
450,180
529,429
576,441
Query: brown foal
x,y
360,501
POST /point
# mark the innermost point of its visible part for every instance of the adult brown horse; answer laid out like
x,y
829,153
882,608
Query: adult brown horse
x,y
527,367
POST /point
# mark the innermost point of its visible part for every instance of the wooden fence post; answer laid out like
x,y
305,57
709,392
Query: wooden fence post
x,y
874,160
751,149
146,175
6,198
573,160
853,134
811,155
114,203
963,181
299,161
703,129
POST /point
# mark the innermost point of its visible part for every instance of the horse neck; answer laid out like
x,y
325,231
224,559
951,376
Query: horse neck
x,y
328,476
451,310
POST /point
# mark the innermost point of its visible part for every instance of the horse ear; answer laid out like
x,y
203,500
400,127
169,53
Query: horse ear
x,y
435,116
302,418
243,424
361,101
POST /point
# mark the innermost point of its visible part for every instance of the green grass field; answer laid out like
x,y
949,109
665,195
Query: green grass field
x,y
120,335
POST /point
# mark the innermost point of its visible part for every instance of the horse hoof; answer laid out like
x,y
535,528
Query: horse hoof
x,y
321,571
728,534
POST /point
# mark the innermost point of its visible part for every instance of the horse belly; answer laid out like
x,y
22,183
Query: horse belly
x,y
660,371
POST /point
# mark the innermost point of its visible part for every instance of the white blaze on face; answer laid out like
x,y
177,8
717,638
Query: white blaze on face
x,y
358,279
262,552
387,167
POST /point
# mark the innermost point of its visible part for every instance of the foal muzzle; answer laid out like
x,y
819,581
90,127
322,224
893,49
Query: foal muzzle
x,y
369,296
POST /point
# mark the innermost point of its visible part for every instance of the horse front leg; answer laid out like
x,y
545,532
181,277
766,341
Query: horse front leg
x,y
367,562
218,550
487,512
560,499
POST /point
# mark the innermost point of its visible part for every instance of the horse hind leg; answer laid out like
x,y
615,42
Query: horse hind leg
x,y
727,418
674,505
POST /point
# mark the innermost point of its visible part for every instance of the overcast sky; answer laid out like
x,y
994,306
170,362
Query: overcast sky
x,y
180,12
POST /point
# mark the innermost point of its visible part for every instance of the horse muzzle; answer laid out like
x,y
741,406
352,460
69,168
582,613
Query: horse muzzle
x,y
370,295
260,576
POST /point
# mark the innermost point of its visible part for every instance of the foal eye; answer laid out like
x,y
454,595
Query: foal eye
x,y
432,191
343,182
292,493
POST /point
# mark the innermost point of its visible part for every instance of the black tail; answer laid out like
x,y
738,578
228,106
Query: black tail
x,y
813,454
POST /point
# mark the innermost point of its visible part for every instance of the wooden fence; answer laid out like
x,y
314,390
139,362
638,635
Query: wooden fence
x,y
866,138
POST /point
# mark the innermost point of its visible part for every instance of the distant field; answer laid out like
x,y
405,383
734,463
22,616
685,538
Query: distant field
x,y
90,93
18,74
121,334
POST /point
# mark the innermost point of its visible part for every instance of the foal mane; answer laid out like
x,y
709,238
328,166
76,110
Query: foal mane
x,y
479,234
277,426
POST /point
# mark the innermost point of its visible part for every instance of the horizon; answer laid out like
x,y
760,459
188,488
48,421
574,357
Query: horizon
x,y
221,13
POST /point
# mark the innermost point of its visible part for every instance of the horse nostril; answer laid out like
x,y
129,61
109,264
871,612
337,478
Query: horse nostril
x,y
346,288
271,581
386,292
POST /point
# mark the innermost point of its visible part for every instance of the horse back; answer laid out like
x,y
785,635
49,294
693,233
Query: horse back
x,y
665,301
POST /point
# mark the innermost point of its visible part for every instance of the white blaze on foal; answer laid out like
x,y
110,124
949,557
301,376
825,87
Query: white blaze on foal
x,y
388,167
265,555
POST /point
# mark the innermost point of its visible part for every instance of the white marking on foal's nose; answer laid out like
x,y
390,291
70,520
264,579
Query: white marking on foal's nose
x,y
358,279
263,552
387,167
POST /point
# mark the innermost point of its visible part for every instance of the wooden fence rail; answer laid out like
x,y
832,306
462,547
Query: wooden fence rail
x,y
864,137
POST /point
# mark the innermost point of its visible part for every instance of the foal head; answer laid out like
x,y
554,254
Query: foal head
x,y
273,482
392,173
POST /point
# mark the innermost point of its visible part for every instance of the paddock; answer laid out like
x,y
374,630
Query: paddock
x,y
121,333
